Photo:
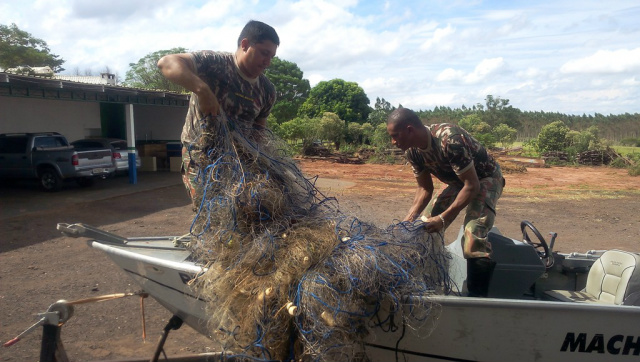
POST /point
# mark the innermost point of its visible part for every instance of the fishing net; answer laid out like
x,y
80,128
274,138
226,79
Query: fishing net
x,y
291,276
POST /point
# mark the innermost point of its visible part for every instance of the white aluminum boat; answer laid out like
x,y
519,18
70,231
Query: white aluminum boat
x,y
542,305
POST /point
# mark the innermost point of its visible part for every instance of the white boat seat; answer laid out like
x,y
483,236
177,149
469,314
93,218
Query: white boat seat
x,y
614,278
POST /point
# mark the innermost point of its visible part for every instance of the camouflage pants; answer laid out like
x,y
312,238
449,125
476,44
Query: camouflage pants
x,y
479,216
189,173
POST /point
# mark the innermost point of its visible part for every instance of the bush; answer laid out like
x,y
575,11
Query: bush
x,y
552,137
349,148
634,169
619,163
505,135
487,140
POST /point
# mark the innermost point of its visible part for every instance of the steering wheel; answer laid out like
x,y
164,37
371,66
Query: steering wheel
x,y
541,247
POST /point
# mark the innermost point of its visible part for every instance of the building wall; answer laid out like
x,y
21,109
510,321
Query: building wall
x,y
75,120
162,123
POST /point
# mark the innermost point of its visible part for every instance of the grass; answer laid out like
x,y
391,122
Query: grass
x,y
623,150
537,194
626,150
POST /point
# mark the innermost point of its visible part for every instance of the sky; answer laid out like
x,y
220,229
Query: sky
x,y
567,56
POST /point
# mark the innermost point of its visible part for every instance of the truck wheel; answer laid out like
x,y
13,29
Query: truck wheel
x,y
85,181
50,180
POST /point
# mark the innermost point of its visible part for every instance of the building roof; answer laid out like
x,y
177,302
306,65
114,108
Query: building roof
x,y
86,79
15,85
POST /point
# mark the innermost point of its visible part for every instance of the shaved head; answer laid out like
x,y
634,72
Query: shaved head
x,y
404,117
406,129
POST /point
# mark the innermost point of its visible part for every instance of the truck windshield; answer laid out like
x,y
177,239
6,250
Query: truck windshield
x,y
49,142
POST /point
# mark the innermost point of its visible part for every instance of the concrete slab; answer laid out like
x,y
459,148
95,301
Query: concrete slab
x,y
25,196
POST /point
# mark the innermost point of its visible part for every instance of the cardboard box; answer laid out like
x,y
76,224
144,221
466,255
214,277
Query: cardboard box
x,y
153,150
148,164
175,164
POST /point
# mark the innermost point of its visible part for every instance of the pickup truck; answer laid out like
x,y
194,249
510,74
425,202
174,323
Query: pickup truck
x,y
49,157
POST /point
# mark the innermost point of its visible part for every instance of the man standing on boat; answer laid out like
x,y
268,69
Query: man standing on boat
x,y
233,84
472,180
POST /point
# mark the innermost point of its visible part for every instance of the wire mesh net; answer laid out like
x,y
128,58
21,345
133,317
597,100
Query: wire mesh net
x,y
291,276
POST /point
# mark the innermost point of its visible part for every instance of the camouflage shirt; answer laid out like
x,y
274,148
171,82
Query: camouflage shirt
x,y
243,99
450,153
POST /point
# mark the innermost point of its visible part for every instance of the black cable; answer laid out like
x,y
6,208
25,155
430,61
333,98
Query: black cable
x,y
400,339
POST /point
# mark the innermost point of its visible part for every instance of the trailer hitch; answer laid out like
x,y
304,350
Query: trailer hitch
x,y
52,349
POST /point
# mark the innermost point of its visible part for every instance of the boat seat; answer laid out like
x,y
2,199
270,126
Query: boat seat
x,y
614,278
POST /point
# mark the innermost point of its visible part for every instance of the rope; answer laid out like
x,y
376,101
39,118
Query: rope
x,y
262,225
107,297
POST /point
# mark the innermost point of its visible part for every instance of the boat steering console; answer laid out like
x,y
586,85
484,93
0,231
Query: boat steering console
x,y
545,251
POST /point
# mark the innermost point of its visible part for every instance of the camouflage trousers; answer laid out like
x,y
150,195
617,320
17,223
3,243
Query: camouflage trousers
x,y
479,216
189,173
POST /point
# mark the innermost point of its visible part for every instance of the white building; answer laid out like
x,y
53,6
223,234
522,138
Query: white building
x,y
79,108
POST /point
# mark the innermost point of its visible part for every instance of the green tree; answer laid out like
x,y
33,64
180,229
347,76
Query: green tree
x,y
479,129
354,133
18,48
299,128
482,127
505,135
331,128
469,122
499,111
291,89
586,140
381,139
146,75
346,99
380,112
552,137
368,131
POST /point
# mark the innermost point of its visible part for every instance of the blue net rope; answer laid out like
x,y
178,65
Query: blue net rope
x,y
289,274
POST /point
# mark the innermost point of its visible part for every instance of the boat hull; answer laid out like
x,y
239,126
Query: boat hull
x,y
464,329
499,330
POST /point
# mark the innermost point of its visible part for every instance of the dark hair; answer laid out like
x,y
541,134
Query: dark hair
x,y
404,117
257,32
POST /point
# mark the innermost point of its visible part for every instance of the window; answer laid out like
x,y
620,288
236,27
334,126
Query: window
x,y
119,145
13,144
87,144
49,142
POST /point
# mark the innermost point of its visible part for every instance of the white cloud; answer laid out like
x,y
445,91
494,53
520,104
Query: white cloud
x,y
450,75
531,73
591,95
482,71
441,39
429,100
605,61
315,79
446,53
632,82
486,68
381,83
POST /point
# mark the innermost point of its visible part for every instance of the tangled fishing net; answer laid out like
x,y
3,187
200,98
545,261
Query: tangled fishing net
x,y
290,276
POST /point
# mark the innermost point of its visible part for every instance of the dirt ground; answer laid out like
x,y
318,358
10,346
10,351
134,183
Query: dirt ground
x,y
589,207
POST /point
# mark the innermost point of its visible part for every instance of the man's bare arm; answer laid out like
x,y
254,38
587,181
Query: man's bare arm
x,y
423,195
180,69
469,190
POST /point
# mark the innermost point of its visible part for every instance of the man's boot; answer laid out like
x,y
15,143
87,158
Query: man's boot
x,y
479,271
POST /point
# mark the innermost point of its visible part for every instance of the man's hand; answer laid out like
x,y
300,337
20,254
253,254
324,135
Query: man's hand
x,y
208,103
422,196
433,224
